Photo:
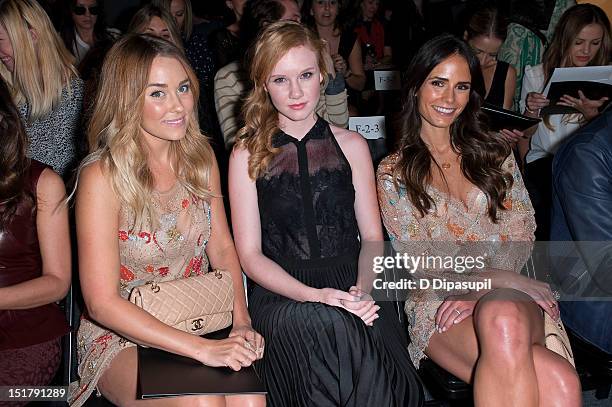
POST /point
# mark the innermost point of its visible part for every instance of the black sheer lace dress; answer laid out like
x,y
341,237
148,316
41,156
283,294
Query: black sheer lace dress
x,y
319,355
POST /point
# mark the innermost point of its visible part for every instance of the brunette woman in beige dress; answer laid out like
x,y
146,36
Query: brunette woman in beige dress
x,y
452,181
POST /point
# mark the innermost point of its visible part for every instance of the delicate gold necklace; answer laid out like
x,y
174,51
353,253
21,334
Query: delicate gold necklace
x,y
446,165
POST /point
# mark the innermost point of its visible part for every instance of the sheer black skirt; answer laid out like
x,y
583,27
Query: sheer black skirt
x,y
319,355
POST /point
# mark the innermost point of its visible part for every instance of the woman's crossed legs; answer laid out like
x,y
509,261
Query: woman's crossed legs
x,y
500,349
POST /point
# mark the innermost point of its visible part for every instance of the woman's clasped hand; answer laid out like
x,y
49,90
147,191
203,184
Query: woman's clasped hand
x,y
234,352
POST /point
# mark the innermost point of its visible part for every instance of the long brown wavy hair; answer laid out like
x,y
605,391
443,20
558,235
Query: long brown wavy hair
x,y
260,115
482,154
14,164
573,20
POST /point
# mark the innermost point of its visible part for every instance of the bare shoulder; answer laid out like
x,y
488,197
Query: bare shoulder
x,y
94,182
50,187
351,143
239,152
92,174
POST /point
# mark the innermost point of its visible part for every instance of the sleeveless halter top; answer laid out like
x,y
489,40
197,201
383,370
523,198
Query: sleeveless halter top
x,y
306,199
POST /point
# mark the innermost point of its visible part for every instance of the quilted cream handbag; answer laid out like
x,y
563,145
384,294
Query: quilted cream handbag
x,y
554,332
557,340
197,305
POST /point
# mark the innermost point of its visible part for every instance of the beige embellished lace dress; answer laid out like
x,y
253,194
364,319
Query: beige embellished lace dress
x,y
448,230
173,249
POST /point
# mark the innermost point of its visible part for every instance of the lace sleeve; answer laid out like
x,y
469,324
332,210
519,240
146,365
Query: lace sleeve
x,y
519,216
517,225
398,218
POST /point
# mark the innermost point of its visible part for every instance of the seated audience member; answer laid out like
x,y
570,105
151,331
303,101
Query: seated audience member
x,y
325,342
83,28
371,32
182,13
149,208
582,212
343,45
582,38
34,259
485,32
200,55
452,181
225,42
44,83
531,27
156,21
232,83
86,35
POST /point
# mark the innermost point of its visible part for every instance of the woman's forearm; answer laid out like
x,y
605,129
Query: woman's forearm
x,y
272,277
366,276
138,326
33,293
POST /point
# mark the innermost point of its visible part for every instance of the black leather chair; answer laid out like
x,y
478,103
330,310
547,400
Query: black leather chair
x,y
445,388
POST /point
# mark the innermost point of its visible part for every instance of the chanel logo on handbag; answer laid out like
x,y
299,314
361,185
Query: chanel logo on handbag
x,y
154,286
218,274
197,324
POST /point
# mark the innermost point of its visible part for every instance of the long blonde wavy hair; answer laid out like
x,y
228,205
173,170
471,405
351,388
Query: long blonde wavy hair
x,y
260,115
114,132
42,64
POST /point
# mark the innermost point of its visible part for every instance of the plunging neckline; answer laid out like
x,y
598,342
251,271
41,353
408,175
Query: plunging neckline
x,y
471,197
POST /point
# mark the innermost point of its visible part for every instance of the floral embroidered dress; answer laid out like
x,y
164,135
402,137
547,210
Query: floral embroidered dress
x,y
172,250
455,223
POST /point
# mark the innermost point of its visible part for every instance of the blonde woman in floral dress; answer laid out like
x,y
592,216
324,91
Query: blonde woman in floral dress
x,y
149,208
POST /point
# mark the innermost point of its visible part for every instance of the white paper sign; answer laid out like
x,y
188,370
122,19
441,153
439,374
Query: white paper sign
x,y
387,80
370,127
602,74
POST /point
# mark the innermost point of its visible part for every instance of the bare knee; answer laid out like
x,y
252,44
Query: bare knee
x,y
251,400
502,327
212,401
197,401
